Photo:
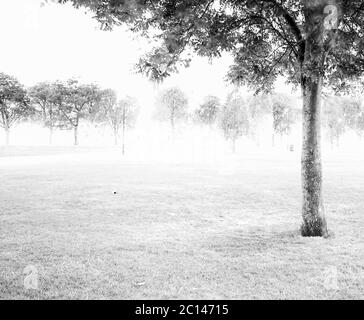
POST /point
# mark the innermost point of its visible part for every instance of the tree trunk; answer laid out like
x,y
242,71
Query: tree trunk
x,y
116,137
313,213
75,133
332,142
7,136
123,124
50,125
50,135
172,127
123,140
273,140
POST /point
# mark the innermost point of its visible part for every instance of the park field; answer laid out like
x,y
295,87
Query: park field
x,y
92,225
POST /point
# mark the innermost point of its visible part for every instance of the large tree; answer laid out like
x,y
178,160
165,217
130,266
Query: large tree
x,y
312,42
14,103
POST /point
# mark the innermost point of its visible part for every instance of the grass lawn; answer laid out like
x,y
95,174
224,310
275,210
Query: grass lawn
x,y
171,231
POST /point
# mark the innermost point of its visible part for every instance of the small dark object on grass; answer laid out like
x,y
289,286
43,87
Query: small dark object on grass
x,y
115,192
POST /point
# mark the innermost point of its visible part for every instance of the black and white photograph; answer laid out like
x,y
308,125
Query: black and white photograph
x,y
181,150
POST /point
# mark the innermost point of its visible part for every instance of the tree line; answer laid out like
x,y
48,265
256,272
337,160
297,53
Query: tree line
x,y
343,114
239,115
63,104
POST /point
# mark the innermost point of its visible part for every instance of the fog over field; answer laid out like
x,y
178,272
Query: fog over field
x,y
176,154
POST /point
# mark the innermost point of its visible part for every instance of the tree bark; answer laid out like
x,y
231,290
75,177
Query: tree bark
x,y
75,133
313,213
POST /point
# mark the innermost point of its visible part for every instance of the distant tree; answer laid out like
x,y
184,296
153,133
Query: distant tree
x,y
259,106
334,119
119,115
208,111
42,97
76,101
14,103
234,118
172,106
283,117
106,112
128,109
353,109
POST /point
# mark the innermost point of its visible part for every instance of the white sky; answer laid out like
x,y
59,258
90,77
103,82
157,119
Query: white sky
x,y
52,41
58,42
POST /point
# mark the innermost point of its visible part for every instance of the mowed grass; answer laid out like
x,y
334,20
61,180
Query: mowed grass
x,y
177,231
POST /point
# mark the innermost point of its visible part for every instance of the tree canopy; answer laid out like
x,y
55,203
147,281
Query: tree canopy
x,y
75,101
14,102
208,111
42,97
283,116
172,105
118,114
234,118
266,38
